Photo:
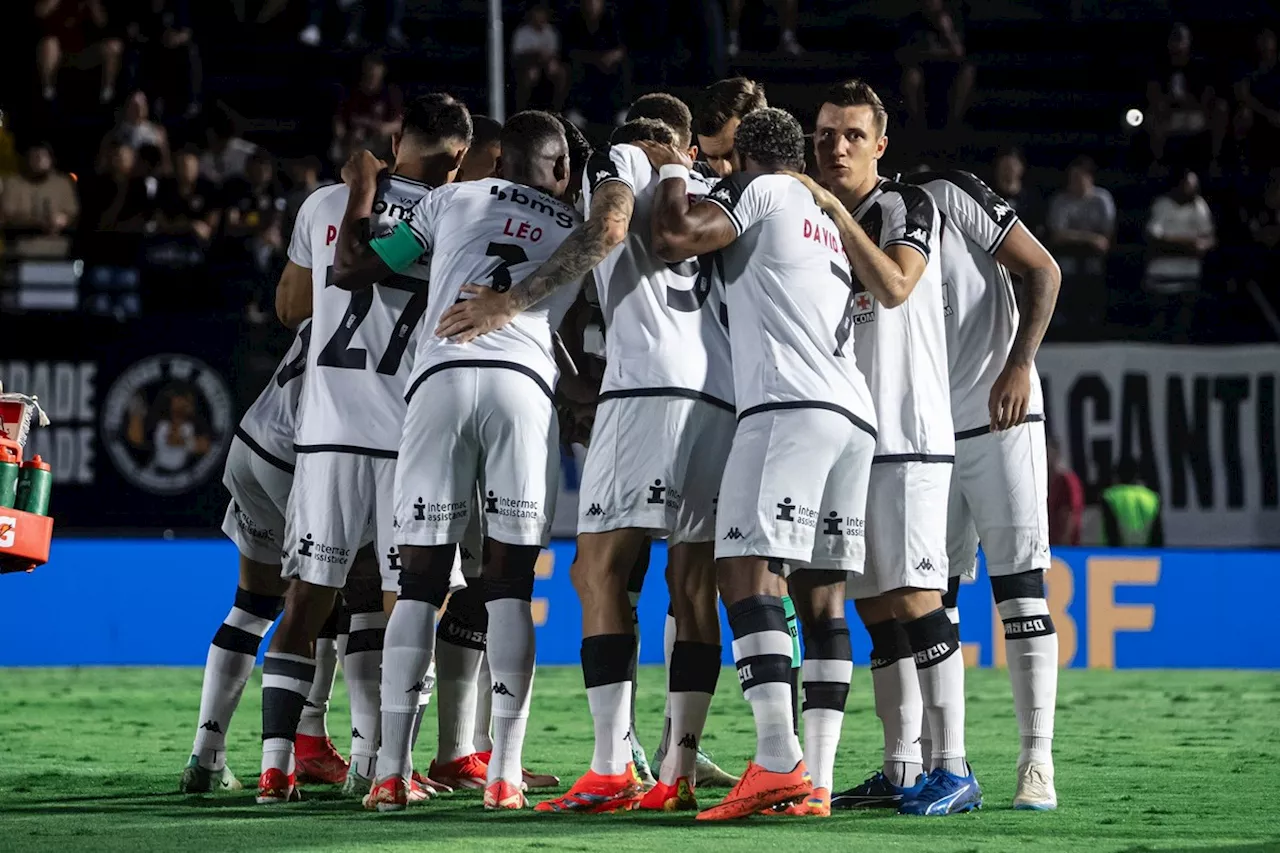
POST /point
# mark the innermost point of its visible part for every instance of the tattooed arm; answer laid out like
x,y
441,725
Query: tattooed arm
x,y
487,310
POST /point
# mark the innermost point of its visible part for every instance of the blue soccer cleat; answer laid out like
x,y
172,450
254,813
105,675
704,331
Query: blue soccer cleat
x,y
877,793
943,794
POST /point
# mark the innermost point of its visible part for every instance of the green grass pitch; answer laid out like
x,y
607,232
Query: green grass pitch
x,y
90,759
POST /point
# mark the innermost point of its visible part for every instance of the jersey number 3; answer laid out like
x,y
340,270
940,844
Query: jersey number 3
x,y
339,353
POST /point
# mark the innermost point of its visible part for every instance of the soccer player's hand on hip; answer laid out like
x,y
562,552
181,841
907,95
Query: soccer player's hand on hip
x,y
663,155
478,311
361,169
1010,397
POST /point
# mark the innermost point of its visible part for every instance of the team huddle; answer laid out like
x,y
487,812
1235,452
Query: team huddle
x,y
813,390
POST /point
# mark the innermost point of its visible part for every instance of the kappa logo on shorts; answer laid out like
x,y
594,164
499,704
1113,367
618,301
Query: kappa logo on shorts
x,y
786,511
734,533
656,493
393,560
594,511
420,510
925,565
831,524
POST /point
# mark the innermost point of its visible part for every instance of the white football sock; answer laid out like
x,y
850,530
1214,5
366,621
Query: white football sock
x,y
457,668
609,704
314,722
940,671
901,712
511,656
484,706
406,657
1031,647
286,681
362,669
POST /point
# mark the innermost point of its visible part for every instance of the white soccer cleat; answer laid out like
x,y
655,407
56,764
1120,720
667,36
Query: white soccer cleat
x,y
1035,788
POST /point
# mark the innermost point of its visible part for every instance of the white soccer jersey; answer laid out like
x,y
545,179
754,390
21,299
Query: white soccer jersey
x,y
787,282
362,343
978,299
663,329
492,232
903,350
270,424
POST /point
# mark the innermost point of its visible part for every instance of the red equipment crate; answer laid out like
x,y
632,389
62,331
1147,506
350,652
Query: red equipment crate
x,y
24,536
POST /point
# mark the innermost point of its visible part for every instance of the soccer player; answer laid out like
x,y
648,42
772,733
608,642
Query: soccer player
x,y
717,115
259,474
999,488
890,233
480,414
795,483
349,431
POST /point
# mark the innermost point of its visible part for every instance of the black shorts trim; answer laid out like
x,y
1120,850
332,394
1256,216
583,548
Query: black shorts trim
x,y
810,404
983,430
480,362
684,393
888,458
354,450
269,458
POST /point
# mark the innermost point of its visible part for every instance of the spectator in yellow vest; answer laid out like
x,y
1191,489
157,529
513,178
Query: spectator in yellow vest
x,y
1131,511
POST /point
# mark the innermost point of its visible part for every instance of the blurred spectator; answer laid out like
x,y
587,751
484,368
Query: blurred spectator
x,y
1180,233
1259,94
166,55
368,114
188,203
1258,219
312,36
76,33
114,199
1186,120
254,202
1080,226
1007,174
1131,511
253,241
601,69
486,148
932,56
228,154
304,179
10,160
136,129
535,51
788,11
38,207
1066,498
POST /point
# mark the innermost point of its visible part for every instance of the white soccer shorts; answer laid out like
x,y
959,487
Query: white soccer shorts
x,y
1000,495
655,463
491,426
795,489
259,495
906,528
340,502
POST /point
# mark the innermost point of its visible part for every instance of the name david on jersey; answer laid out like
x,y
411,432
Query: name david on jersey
x,y
534,202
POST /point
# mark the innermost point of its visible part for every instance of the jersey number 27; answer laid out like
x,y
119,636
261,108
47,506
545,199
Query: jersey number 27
x,y
339,353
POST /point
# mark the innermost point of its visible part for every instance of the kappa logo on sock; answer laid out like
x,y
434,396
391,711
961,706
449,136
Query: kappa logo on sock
x,y
417,688
500,689
627,736
212,726
656,493
595,510
734,533
688,741
786,511
355,733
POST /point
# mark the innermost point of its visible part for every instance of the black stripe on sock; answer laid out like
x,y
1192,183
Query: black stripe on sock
x,y
695,667
794,682
933,638
757,614
1026,627
456,632
828,640
889,643
365,640
951,598
281,711
272,665
671,610
831,695
1028,584
762,669
237,640
263,606
607,659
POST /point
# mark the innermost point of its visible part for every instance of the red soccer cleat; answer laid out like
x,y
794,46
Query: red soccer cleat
x,y
469,771
275,786
318,761
760,789
391,794
503,795
595,793
670,798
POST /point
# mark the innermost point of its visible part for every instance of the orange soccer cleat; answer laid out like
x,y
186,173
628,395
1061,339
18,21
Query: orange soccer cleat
x,y
276,786
429,785
678,797
817,804
503,795
318,761
388,795
595,793
759,789
469,771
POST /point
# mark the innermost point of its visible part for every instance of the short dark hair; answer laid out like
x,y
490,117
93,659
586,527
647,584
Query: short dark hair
x,y
771,137
527,135
437,117
1128,470
485,131
669,110
579,148
858,93
643,130
724,100
1085,164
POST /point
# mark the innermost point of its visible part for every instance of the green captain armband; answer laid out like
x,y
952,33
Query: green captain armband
x,y
400,249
